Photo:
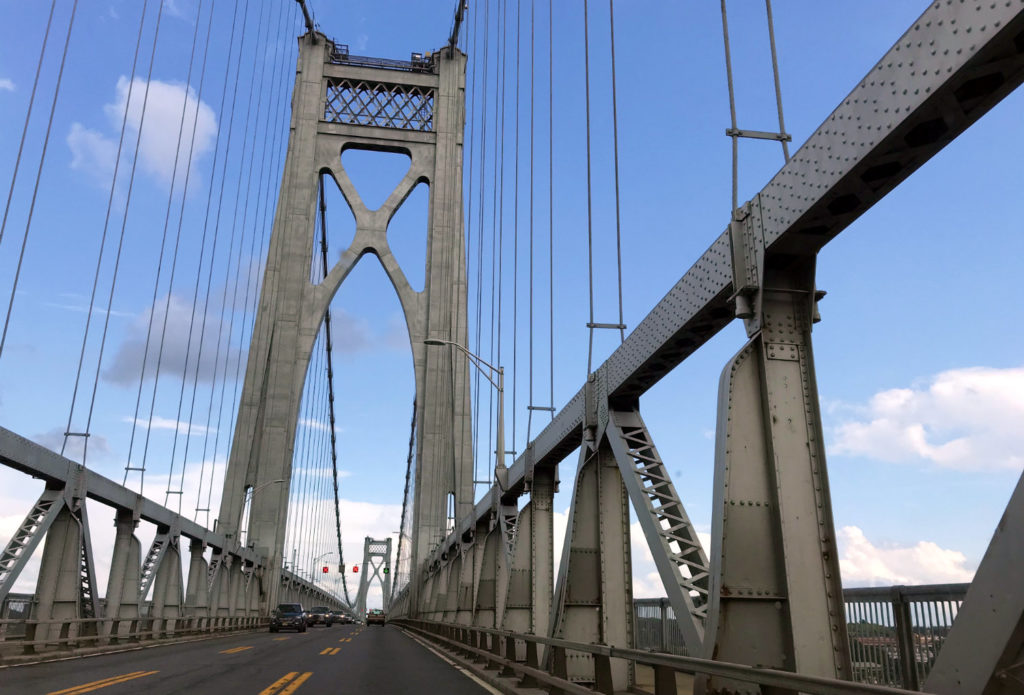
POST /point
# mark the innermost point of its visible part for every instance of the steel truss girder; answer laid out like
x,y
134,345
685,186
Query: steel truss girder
x,y
154,558
38,461
25,540
671,537
68,487
984,652
876,138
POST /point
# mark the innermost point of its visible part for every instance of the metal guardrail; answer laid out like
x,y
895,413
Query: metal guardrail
x,y
895,632
498,650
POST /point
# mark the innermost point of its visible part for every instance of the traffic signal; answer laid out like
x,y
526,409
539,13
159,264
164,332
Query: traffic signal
x,y
325,569
386,570
355,568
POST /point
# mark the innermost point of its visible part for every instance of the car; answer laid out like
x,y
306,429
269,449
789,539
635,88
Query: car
x,y
341,618
375,616
320,615
288,616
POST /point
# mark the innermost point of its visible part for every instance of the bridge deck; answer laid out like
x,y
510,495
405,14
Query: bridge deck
x,y
340,659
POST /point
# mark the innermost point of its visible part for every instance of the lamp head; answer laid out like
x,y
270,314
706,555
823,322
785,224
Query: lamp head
x,y
434,341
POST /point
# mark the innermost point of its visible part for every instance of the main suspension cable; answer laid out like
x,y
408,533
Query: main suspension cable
x,y
330,385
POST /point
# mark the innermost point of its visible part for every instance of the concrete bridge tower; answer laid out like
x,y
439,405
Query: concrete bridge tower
x,y
343,102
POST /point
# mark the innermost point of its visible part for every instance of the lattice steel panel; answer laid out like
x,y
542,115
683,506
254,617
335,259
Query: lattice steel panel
x,y
356,102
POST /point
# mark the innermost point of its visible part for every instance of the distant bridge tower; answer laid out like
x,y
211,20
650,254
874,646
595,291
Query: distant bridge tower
x,y
343,102
376,559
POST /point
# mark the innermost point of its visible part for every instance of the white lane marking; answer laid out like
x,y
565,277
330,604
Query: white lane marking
x,y
461,669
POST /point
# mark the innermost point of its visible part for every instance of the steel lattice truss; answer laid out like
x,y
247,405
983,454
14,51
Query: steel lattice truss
x,y
383,105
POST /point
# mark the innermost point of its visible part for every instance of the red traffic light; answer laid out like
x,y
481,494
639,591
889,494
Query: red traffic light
x,y
355,568
325,569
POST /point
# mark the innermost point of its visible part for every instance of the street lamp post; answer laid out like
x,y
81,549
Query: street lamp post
x,y
500,470
317,559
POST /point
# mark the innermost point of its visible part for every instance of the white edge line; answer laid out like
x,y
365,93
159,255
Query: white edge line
x,y
461,669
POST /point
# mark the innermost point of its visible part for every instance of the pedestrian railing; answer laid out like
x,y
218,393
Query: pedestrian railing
x,y
536,661
895,632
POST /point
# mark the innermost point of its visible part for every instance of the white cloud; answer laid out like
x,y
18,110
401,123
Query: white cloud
x,y
53,440
964,419
864,563
6,84
163,423
94,153
126,364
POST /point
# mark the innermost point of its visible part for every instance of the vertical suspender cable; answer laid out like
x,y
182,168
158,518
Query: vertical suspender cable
x,y
249,305
159,270
106,227
35,188
732,111
181,220
775,74
590,207
213,258
615,136
515,235
259,222
28,117
124,223
199,274
471,70
529,411
480,233
241,241
551,208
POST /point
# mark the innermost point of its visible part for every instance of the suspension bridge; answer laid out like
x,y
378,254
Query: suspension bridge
x,y
179,353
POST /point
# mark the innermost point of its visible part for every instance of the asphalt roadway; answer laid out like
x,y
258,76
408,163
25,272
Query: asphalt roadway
x,y
336,660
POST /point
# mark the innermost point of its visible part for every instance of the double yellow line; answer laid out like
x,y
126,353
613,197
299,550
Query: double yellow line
x,y
290,682
96,685
330,651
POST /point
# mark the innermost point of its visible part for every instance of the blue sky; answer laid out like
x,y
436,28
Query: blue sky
x,y
918,361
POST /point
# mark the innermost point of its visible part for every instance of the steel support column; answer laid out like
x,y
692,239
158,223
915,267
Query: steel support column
x,y
197,591
776,597
167,589
66,588
594,591
123,581
487,594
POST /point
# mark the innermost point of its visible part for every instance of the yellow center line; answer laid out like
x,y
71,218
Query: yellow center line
x,y
96,685
280,639
279,683
235,650
294,685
